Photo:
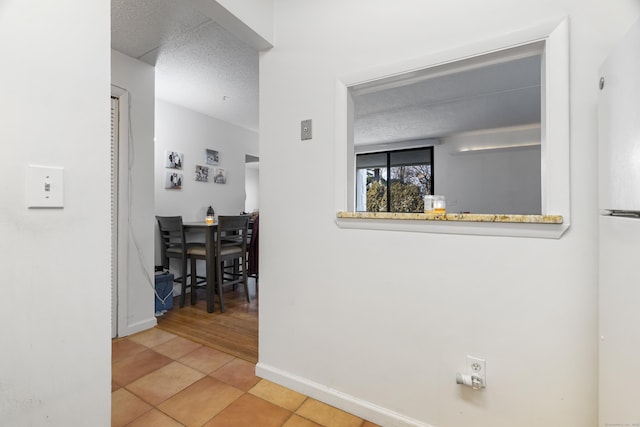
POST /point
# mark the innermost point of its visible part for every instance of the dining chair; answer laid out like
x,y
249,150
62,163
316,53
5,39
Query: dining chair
x,y
174,245
231,245
252,250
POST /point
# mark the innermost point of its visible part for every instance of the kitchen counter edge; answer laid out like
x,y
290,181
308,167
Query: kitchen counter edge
x,y
455,217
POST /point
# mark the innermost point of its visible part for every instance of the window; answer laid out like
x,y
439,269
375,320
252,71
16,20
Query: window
x,y
394,181
485,114
549,40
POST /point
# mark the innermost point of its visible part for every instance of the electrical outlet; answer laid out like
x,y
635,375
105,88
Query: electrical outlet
x,y
477,367
305,129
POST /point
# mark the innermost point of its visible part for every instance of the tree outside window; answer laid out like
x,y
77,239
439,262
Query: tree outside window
x,y
394,181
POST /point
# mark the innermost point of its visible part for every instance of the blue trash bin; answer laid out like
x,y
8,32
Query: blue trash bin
x,y
164,292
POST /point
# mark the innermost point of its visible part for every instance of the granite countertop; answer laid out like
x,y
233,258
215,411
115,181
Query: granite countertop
x,y
457,217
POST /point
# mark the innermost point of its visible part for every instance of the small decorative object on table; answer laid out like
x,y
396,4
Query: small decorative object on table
x,y
434,204
210,216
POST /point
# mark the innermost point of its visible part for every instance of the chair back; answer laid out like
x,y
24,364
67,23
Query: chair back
x,y
172,236
252,249
232,231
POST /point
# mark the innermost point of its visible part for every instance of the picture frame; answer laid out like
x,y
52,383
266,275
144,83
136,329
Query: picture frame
x,y
220,176
212,157
174,160
173,181
201,173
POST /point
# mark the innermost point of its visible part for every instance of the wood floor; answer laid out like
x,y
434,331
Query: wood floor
x,y
234,332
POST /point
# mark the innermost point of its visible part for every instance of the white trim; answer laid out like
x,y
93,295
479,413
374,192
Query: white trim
x,y
556,176
555,131
143,325
122,310
125,232
537,32
393,146
545,231
115,126
336,398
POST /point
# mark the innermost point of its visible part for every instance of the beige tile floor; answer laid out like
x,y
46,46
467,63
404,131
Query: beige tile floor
x,y
162,380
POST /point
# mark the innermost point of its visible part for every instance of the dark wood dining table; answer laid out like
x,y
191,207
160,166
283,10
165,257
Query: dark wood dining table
x,y
209,231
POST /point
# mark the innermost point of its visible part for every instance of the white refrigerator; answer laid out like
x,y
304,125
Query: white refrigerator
x,y
619,229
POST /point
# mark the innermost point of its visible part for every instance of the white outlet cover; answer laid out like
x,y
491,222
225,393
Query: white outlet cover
x,y
477,366
45,187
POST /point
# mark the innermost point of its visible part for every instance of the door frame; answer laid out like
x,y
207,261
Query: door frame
x,y
121,220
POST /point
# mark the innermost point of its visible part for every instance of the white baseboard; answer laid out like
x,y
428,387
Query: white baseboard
x,y
346,402
143,325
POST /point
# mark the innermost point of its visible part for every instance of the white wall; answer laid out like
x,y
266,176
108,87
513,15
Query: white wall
x,y
379,322
505,181
54,111
252,186
257,14
136,295
190,133
249,20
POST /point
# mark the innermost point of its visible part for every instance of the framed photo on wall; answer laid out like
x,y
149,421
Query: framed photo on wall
x,y
220,176
173,181
202,173
174,160
212,157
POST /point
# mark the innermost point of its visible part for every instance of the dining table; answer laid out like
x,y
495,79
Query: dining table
x,y
209,230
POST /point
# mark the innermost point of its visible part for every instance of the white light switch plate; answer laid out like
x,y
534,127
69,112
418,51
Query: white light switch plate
x,y
45,187
305,129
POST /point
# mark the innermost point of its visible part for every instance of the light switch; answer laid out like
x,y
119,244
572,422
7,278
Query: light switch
x,y
305,129
45,187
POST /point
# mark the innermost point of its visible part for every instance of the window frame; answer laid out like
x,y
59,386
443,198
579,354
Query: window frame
x,y
555,142
389,166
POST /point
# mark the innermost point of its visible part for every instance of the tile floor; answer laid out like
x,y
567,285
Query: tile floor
x,y
162,380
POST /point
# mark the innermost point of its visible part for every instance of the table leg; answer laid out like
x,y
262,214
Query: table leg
x,y
211,268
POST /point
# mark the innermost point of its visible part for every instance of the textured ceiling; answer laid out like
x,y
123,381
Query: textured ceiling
x,y
499,95
199,65
203,67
